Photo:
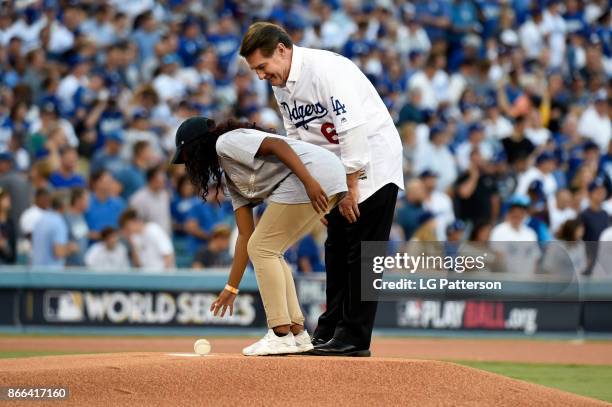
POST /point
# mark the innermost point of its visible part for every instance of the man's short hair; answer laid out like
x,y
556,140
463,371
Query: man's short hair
x,y
264,37
106,232
152,172
76,193
139,146
41,192
128,215
95,176
58,200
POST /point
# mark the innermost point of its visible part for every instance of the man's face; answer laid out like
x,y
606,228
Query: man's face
x,y
598,195
132,227
430,183
516,215
43,201
476,137
158,181
274,68
602,107
83,203
547,166
146,154
70,159
104,183
111,241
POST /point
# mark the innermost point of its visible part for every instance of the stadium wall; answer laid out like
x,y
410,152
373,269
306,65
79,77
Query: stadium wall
x,y
40,300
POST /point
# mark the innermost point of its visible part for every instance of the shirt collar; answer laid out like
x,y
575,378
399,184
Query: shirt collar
x,y
297,56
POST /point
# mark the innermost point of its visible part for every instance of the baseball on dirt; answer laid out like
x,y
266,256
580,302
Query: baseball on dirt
x,y
201,347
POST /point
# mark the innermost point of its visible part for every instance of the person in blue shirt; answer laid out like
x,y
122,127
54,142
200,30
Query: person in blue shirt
x,y
454,237
358,44
191,42
109,157
490,11
204,216
50,244
574,16
305,256
104,209
184,199
538,211
435,16
66,177
86,96
132,176
146,35
111,119
225,40
410,207
464,19
605,164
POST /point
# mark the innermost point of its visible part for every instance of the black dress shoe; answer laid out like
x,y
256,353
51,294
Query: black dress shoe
x,y
338,348
318,341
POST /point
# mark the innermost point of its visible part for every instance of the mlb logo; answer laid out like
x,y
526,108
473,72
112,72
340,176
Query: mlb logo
x,y
63,306
409,313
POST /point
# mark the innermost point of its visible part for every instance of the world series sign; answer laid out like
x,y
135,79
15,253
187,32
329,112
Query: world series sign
x,y
135,308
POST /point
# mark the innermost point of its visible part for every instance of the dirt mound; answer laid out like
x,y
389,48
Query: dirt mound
x,y
517,350
162,379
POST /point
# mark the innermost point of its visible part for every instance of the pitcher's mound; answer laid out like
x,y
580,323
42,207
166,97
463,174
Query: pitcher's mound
x,y
179,379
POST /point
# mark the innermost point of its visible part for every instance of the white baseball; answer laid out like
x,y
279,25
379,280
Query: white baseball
x,y
201,347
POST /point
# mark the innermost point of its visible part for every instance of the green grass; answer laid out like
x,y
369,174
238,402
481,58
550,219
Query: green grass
x,y
586,380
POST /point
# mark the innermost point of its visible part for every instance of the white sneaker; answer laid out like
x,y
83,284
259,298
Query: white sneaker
x,y
303,341
271,344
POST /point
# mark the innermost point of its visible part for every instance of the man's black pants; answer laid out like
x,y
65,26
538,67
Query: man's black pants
x,y
347,318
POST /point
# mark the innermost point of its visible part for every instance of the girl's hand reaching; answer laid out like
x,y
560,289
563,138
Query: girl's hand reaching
x,y
317,195
224,301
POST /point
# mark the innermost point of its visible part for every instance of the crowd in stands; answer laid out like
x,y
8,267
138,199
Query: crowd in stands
x,y
503,108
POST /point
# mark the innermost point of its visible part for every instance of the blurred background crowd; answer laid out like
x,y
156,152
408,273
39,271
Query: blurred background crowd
x,y
503,107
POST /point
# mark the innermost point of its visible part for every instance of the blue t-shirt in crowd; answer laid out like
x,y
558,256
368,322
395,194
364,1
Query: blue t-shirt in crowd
x,y
180,208
307,247
189,49
131,178
408,218
102,214
433,8
101,160
59,180
227,47
605,166
208,215
111,120
355,47
50,230
490,10
146,42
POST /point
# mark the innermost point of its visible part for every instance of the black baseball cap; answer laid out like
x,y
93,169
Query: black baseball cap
x,y
189,131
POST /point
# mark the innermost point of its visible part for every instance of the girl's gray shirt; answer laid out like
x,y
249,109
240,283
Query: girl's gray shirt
x,y
252,179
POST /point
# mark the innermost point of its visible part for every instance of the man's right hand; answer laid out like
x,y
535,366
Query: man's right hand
x,y
349,205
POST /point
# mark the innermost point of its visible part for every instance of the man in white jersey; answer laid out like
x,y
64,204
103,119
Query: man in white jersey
x,y
326,100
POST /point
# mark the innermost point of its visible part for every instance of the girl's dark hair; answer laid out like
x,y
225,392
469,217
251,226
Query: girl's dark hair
x,y
201,160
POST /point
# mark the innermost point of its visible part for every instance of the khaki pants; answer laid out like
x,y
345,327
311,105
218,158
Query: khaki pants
x,y
281,226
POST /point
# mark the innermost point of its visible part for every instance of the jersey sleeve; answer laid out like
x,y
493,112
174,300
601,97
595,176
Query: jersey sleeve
x,y
241,146
341,89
